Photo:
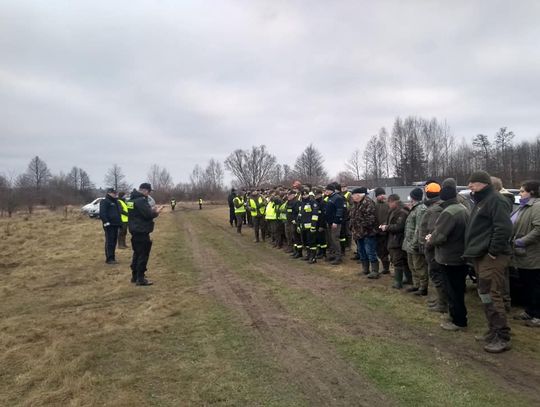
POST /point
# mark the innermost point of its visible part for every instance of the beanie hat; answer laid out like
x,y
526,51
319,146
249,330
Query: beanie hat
x,y
331,187
417,194
360,190
433,187
448,192
379,191
449,182
480,176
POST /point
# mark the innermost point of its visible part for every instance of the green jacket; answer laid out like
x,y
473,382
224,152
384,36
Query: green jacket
x,y
427,223
410,240
448,235
490,228
527,228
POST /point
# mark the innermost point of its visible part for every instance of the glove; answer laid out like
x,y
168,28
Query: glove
x,y
519,243
298,230
106,224
313,230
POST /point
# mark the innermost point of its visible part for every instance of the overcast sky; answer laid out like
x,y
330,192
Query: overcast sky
x,y
92,83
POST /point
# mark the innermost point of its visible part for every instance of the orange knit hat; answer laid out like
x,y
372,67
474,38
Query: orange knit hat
x,y
433,187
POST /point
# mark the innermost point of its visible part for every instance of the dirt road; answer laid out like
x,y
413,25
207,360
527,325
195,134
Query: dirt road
x,y
229,322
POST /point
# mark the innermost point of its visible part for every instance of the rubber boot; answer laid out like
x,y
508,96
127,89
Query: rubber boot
x,y
398,278
313,256
374,270
442,301
408,276
299,255
365,267
321,253
294,250
385,267
343,245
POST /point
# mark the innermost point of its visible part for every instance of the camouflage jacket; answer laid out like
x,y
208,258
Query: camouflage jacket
x,y
410,240
363,219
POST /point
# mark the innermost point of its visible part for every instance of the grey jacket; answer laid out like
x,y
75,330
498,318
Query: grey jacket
x,y
527,228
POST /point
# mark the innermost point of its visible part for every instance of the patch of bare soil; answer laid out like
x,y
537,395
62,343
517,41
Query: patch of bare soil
x,y
306,358
510,370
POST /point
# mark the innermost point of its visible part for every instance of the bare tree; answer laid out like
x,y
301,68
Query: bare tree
x,y
38,173
251,168
213,175
116,179
160,179
309,166
483,151
503,148
354,165
79,179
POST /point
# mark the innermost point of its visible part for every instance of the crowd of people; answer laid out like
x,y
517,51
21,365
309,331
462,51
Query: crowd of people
x,y
434,241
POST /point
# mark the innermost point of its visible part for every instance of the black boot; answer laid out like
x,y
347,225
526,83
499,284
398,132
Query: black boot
x,y
374,270
408,276
385,267
365,267
398,277
313,256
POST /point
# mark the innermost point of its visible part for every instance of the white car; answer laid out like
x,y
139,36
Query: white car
x,y
92,209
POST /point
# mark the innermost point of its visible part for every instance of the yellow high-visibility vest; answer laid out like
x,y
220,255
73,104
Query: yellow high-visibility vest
x,y
283,211
124,210
253,206
239,205
270,211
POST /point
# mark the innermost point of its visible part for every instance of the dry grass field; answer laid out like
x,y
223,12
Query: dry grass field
x,y
227,323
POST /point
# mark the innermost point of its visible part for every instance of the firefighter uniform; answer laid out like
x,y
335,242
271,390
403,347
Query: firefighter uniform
x,y
308,218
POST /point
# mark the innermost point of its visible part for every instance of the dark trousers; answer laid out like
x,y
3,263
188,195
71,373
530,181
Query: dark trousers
x,y
382,248
122,232
259,227
280,233
141,245
111,238
232,215
239,221
454,278
531,282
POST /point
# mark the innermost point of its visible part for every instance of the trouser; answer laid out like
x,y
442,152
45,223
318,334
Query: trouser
x,y
200,206
122,232
367,249
259,227
531,281
271,225
343,242
239,222
297,238
322,243
399,257
232,216
111,238
334,246
309,240
289,234
248,219
490,274
454,277
141,245
172,207
436,277
280,233
506,290
417,265
382,251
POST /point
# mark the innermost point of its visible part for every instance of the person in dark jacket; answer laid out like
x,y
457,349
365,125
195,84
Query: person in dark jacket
x,y
334,217
526,238
381,212
109,213
141,224
232,214
487,245
395,226
439,303
448,240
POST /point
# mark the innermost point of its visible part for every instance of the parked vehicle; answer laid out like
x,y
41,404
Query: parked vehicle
x,y
92,209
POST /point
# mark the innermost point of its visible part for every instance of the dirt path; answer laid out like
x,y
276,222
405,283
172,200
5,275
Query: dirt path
x,y
307,358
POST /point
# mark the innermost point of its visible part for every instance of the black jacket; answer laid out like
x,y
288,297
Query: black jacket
x,y
334,209
490,227
141,216
109,211
396,227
